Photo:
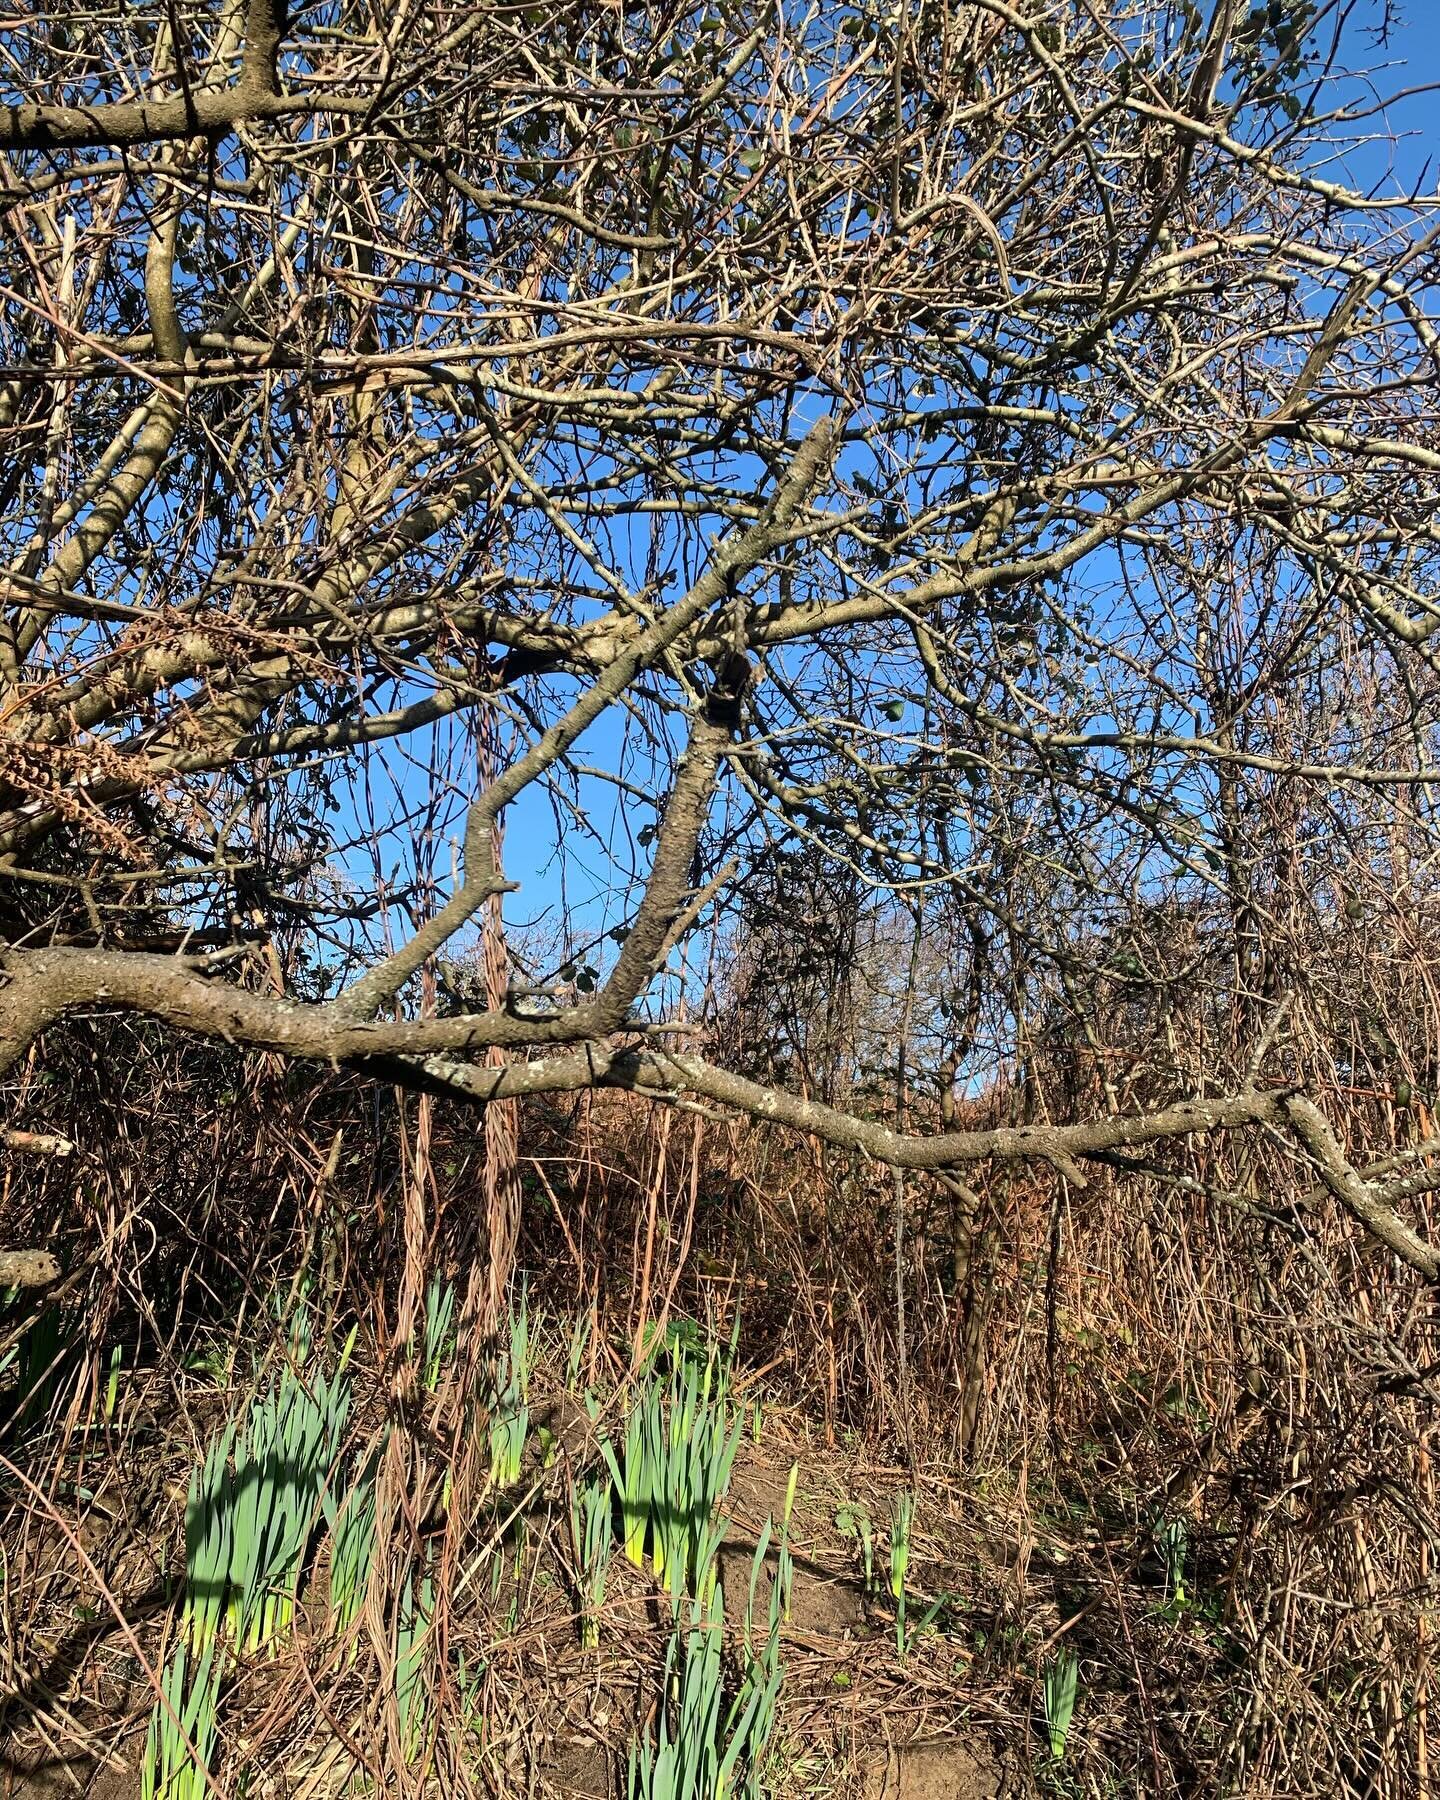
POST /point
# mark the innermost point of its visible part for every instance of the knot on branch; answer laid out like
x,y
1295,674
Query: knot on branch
x,y
733,672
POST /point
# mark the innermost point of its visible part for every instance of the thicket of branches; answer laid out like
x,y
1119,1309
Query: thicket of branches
x,y
867,571
984,451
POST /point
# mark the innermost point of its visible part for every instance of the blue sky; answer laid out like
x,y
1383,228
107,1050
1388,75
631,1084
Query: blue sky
x,y
1413,57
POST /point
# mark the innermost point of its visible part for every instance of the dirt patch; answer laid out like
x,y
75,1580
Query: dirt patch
x,y
825,1605
115,1784
63,1779
579,1770
937,1770
822,1604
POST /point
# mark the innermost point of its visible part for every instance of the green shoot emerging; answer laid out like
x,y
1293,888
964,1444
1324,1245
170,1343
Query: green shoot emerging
x,y
412,1648
590,1507
1058,1692
902,1518
180,1740
510,1403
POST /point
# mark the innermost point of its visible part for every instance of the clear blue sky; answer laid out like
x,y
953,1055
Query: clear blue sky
x,y
1411,58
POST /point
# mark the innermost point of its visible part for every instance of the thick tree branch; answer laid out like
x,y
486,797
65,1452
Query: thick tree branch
x,y
44,985
209,110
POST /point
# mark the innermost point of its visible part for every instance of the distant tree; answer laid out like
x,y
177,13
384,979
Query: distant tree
x,y
987,447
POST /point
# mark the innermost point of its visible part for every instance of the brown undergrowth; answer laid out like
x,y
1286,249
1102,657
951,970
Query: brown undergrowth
x,y
1178,1428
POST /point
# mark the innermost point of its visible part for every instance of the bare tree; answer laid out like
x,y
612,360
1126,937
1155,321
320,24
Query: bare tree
x,y
983,445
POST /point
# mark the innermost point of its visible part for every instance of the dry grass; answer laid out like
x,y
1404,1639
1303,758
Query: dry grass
x,y
1082,1368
